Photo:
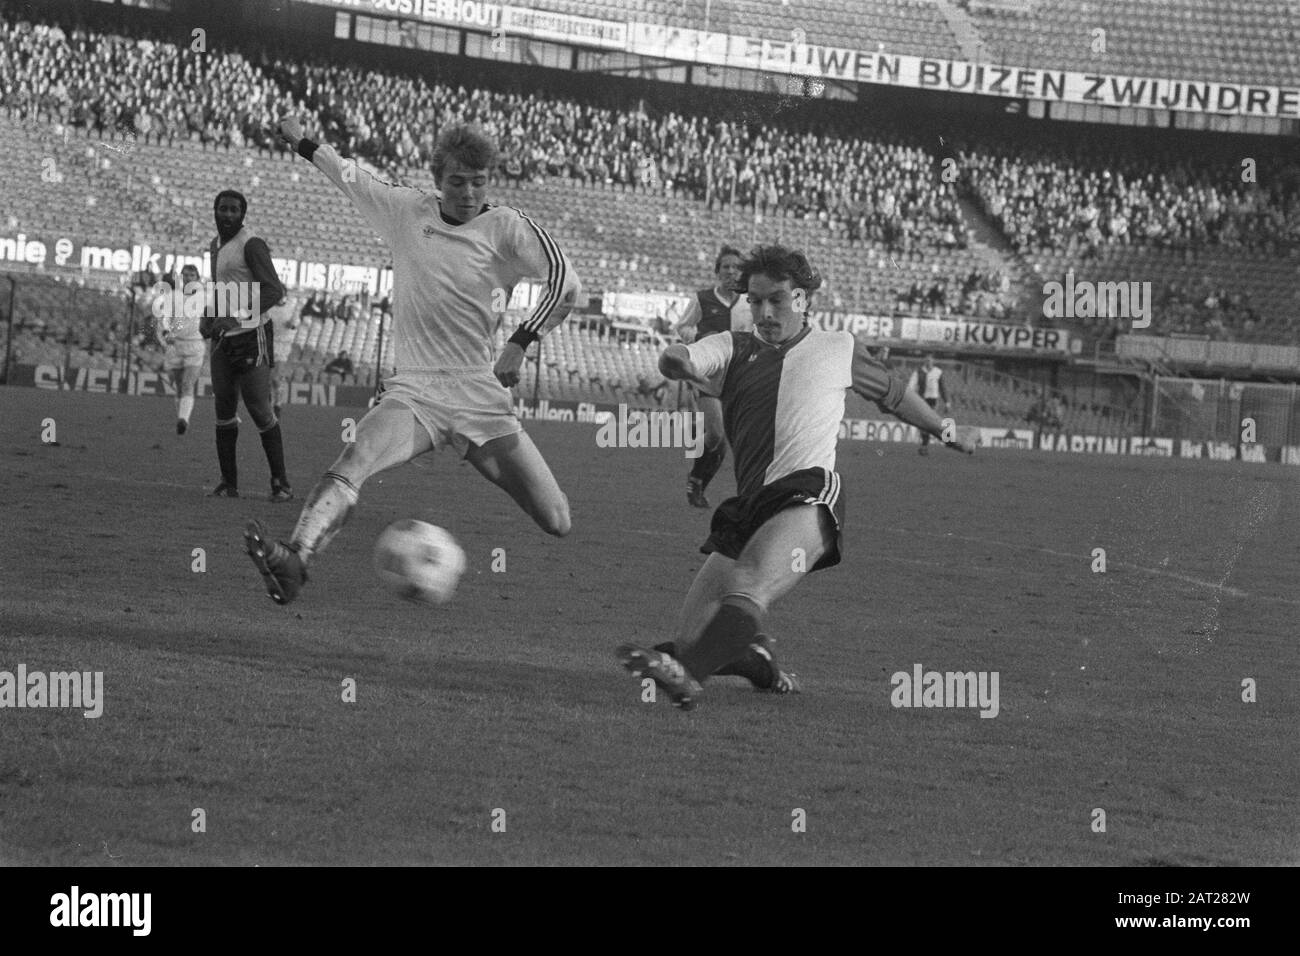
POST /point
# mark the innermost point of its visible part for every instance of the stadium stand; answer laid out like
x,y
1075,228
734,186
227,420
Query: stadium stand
x,y
639,198
1256,42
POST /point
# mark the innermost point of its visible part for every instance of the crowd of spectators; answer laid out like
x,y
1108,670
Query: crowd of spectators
x,y
1201,308
880,188
981,294
1080,199
346,307
143,86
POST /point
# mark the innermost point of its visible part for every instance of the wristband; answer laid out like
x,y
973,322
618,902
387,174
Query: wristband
x,y
523,338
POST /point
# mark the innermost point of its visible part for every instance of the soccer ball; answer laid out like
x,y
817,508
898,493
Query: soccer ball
x,y
419,561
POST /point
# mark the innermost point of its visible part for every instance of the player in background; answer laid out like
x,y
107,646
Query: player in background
x,y
181,315
927,381
719,308
456,256
238,320
782,389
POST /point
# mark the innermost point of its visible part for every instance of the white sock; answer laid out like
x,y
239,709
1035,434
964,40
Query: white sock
x,y
327,508
186,407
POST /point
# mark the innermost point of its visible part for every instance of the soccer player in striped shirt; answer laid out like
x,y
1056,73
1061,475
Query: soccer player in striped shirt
x,y
243,343
782,389
455,256
719,308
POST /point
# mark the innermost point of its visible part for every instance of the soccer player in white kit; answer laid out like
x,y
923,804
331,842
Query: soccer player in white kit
x,y
455,255
782,389
186,350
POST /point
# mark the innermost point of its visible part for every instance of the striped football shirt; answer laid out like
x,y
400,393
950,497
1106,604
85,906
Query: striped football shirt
x,y
782,404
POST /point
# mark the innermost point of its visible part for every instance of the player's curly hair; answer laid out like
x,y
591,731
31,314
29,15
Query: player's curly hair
x,y
465,142
779,263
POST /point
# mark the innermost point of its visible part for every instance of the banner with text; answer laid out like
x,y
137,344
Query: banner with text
x,y
949,333
794,56
111,381
73,254
75,378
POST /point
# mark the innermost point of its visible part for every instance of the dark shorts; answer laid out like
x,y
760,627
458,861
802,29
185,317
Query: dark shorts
x,y
248,349
738,519
241,368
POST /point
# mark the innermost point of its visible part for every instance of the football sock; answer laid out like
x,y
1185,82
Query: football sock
x,y
327,509
273,445
227,438
751,665
725,638
707,465
185,408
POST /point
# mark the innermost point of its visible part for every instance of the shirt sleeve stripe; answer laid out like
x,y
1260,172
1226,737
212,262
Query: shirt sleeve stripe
x,y
556,277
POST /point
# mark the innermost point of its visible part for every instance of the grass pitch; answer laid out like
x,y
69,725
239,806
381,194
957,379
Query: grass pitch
x,y
1120,691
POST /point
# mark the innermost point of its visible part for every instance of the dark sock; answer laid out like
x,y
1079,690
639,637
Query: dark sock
x,y
699,467
273,445
707,465
752,666
726,637
227,439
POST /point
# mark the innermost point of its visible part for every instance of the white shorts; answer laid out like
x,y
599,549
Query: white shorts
x,y
456,408
184,353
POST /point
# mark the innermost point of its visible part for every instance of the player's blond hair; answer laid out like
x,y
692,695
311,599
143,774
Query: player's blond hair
x,y
465,142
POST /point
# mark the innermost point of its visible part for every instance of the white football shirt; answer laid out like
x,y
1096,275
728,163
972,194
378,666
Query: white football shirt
x,y
451,281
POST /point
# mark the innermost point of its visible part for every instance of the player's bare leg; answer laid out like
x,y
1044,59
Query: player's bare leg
x,y
715,450
514,464
389,435
704,598
186,382
771,564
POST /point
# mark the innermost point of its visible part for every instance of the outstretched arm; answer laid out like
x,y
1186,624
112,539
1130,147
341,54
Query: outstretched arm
x,y
676,364
875,383
379,202
703,363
